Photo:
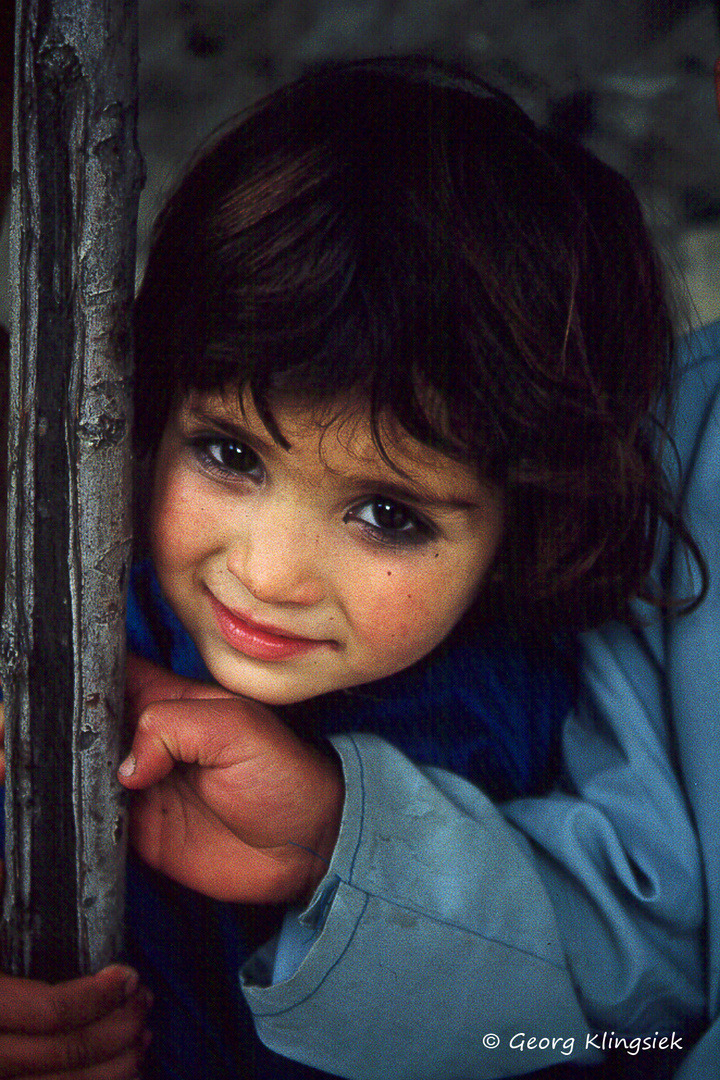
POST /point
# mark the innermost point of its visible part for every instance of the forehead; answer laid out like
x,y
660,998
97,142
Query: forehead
x,y
337,434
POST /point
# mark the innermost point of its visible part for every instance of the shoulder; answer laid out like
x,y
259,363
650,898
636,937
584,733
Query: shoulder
x,y
696,408
701,347
698,378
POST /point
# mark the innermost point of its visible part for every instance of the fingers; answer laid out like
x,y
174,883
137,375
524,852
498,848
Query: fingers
x,y
32,1007
165,733
92,1027
212,733
126,1066
113,1046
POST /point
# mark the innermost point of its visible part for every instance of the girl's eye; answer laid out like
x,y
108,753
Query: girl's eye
x,y
391,521
228,456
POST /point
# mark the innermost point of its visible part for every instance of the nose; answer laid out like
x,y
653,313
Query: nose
x,y
278,559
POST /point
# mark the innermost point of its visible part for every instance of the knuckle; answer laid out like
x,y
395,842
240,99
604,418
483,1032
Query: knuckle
x,y
144,722
152,712
148,719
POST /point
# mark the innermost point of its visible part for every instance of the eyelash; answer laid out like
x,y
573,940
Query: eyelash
x,y
418,531
201,446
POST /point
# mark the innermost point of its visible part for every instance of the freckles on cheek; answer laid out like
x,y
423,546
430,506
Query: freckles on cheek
x,y
177,524
168,537
399,622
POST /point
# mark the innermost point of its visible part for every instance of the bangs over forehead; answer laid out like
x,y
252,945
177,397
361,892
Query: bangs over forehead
x,y
347,239
347,421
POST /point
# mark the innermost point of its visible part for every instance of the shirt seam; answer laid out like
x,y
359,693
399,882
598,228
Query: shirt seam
x,y
425,915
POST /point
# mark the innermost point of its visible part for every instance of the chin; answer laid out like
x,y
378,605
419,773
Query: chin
x,y
261,687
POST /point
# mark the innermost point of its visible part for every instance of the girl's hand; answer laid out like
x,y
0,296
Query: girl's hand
x,y
86,1029
232,803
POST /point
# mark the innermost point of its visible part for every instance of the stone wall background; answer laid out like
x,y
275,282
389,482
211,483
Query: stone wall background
x,y
631,78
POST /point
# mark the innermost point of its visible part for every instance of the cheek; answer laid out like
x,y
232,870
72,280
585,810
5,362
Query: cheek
x,y
405,615
178,522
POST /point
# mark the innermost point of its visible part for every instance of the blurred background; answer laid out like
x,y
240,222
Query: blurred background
x,y
632,79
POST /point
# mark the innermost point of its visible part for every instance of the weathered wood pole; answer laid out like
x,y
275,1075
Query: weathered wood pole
x,y
76,179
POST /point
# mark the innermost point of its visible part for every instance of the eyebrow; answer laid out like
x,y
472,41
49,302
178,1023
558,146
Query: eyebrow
x,y
404,492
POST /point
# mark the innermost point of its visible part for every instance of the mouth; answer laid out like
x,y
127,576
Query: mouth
x,y
259,641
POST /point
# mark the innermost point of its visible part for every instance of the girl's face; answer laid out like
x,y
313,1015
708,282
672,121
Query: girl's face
x,y
306,570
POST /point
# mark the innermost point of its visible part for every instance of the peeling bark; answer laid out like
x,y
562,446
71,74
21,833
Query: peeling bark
x,y
76,180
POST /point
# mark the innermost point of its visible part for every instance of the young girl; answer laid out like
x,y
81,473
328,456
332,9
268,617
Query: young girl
x,y
397,352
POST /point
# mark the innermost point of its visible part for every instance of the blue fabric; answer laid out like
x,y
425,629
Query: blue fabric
x,y
479,706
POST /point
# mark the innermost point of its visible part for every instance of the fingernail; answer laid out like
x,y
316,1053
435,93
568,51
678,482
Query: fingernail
x,y
128,766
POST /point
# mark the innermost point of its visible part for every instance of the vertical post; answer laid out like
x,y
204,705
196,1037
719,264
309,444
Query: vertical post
x,y
76,180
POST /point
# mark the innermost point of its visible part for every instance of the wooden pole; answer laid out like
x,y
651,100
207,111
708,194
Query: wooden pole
x,y
76,180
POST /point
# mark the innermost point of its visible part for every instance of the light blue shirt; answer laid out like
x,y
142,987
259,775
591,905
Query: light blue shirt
x,y
455,940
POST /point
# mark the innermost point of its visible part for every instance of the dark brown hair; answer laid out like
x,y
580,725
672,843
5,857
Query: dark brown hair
x,y
398,231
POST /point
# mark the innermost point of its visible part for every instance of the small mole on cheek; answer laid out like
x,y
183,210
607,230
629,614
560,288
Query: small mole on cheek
x,y
389,573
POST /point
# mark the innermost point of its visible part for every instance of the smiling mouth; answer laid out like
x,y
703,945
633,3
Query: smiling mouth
x,y
258,641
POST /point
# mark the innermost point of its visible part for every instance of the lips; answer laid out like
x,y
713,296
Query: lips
x,y
257,641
